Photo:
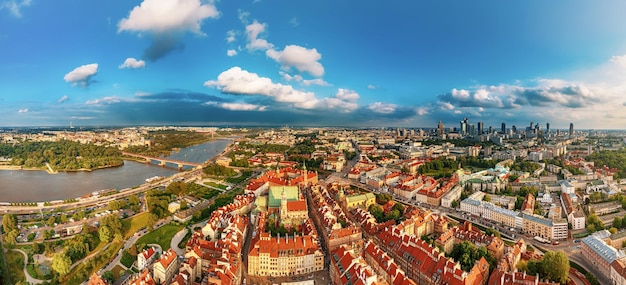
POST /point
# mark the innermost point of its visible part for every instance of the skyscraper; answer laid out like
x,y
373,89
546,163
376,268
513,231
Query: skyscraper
x,y
547,128
571,130
503,129
464,126
481,128
440,128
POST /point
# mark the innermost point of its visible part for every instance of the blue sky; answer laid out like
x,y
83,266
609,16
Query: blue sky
x,y
329,63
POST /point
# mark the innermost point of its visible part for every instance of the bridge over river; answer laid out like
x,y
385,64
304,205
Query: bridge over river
x,y
163,161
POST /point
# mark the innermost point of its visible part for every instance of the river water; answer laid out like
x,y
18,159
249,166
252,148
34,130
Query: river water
x,y
26,185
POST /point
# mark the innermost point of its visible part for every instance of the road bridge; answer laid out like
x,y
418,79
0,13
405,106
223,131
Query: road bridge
x,y
163,161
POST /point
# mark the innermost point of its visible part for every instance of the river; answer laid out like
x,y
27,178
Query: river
x,y
26,185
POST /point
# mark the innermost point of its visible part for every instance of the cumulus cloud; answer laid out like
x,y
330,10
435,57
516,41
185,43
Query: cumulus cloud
x,y
557,92
23,110
63,99
546,92
132,63
166,22
15,6
382,108
347,95
252,33
231,52
303,59
82,75
238,81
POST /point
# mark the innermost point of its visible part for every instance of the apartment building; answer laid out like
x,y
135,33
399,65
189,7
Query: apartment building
x,y
284,256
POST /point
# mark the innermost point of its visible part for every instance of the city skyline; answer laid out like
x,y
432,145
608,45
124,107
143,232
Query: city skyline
x,y
192,62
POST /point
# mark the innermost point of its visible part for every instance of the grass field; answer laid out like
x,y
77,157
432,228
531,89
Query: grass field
x,y
82,272
161,236
132,225
117,270
15,261
213,184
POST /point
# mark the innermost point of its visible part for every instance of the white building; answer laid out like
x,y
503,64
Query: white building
x,y
451,196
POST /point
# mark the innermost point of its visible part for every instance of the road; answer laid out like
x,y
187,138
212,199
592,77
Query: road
x,y
176,240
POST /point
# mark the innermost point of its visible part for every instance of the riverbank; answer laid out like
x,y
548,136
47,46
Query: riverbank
x,y
29,186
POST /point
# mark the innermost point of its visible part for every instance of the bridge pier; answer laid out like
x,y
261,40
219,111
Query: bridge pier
x,y
148,161
162,163
180,166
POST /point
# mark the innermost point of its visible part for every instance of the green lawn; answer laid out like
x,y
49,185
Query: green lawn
x,y
133,224
213,184
15,261
161,236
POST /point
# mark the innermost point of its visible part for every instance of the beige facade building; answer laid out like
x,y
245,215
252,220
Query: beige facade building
x,y
285,256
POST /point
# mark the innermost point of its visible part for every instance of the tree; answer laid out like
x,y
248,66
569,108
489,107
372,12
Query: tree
x,y
133,199
487,198
105,233
9,223
114,205
555,265
183,204
61,263
108,276
51,221
613,230
36,248
617,222
152,219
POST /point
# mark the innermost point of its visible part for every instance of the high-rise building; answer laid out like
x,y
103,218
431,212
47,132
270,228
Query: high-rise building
x,y
547,128
571,130
514,128
440,128
464,126
503,129
481,128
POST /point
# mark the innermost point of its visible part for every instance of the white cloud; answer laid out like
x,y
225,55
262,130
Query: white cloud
x,y
303,59
242,107
231,36
620,60
231,52
15,6
252,33
105,100
132,63
382,108
158,16
446,106
460,94
421,111
63,99
316,81
371,87
238,81
347,95
82,74
23,110
305,82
